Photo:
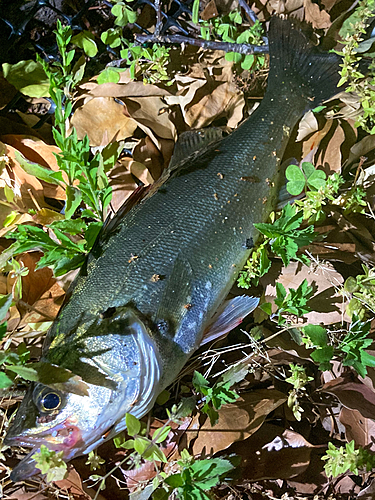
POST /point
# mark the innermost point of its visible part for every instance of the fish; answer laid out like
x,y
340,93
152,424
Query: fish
x,y
153,288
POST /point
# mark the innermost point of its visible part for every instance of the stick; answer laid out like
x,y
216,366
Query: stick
x,y
240,48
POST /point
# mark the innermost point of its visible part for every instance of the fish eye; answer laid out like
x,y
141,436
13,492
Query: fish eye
x,y
48,400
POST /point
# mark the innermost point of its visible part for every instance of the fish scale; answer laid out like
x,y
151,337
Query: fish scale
x,y
126,333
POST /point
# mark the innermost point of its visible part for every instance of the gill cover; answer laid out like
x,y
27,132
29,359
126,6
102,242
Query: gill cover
x,y
128,358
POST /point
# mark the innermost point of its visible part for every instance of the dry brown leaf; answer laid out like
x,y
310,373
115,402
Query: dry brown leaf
x,y
307,126
368,493
237,421
152,114
39,290
149,155
352,393
218,96
21,494
140,171
273,453
359,428
335,146
122,182
27,188
318,18
210,11
125,88
37,151
72,485
104,120
361,148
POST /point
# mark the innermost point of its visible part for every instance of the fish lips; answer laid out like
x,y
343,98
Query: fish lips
x,y
26,468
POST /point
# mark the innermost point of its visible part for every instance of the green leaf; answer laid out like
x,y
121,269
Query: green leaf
x,y
86,41
28,77
112,37
161,434
248,62
24,372
5,381
323,356
42,173
195,12
71,226
73,200
267,308
133,425
200,382
109,75
175,480
296,179
317,334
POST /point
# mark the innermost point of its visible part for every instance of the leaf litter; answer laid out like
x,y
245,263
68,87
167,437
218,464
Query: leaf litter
x,y
281,454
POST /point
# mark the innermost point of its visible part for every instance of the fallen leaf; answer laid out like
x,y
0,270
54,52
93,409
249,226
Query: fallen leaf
x,y
104,120
352,393
152,114
359,428
237,421
273,453
72,485
210,11
318,18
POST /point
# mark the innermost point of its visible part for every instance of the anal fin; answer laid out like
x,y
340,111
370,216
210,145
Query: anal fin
x,y
229,315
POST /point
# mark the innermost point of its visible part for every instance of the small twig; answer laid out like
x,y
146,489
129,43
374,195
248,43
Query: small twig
x,y
250,13
240,48
159,24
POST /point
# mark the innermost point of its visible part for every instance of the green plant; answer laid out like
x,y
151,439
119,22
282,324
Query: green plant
x,y
50,463
351,74
340,460
81,174
220,393
298,379
143,446
285,236
361,290
349,348
194,479
228,29
149,62
294,302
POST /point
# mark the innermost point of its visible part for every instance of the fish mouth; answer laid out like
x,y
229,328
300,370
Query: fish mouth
x,y
26,468
64,437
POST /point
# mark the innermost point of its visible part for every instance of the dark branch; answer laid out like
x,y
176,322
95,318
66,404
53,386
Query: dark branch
x,y
250,13
159,23
240,48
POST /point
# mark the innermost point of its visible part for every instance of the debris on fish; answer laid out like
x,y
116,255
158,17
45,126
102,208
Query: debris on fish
x,y
127,334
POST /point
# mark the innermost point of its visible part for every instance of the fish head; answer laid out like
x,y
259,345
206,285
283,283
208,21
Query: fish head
x,y
76,423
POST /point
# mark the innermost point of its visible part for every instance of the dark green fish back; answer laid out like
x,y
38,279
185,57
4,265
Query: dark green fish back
x,y
176,254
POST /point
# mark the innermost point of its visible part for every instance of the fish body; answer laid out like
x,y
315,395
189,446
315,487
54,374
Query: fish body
x,y
148,291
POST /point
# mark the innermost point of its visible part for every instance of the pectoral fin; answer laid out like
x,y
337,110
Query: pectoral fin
x,y
229,315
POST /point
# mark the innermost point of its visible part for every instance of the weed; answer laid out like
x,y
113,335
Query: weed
x,y
50,463
195,478
228,29
341,460
351,73
298,379
361,290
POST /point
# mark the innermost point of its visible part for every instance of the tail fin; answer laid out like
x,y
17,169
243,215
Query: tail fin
x,y
296,63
